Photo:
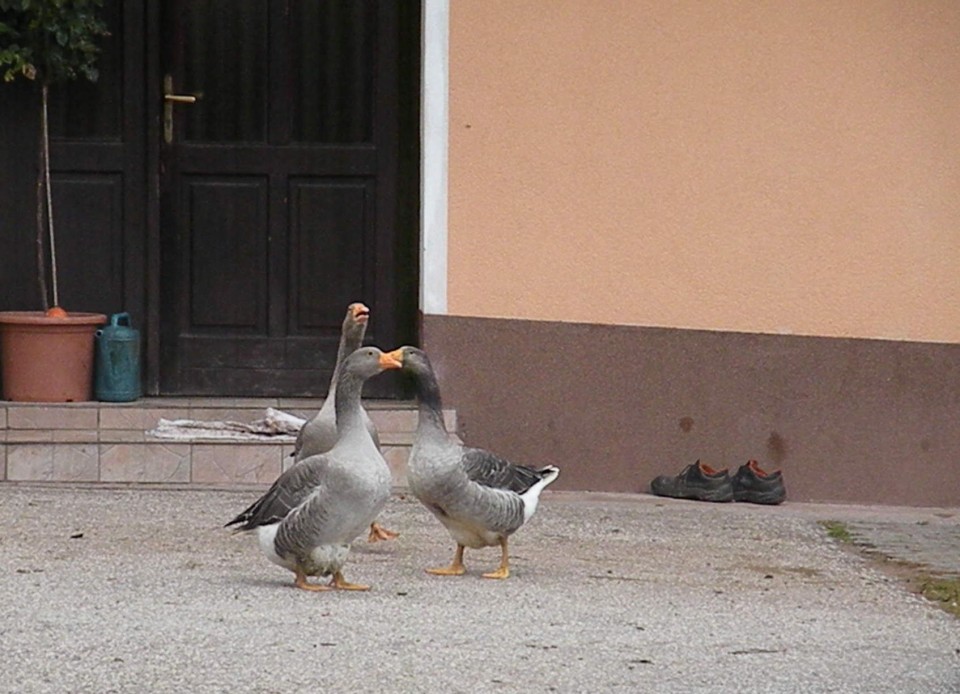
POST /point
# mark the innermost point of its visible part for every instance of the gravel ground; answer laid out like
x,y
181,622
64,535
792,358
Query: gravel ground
x,y
609,593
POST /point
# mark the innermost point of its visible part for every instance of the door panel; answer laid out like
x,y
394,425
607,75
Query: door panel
x,y
90,206
277,190
226,254
335,102
330,267
224,55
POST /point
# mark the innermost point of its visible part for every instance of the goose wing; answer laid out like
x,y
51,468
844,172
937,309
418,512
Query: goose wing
x,y
319,434
490,470
289,491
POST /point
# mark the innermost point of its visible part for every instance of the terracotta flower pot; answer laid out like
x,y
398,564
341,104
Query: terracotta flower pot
x,y
46,359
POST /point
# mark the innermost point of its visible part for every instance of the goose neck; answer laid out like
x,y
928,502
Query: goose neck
x,y
430,406
431,420
349,343
347,403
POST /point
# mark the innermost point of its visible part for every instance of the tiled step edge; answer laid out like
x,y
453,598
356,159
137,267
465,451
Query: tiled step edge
x,y
144,414
99,442
156,461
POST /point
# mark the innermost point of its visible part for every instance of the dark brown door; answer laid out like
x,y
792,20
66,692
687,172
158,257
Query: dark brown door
x,y
278,190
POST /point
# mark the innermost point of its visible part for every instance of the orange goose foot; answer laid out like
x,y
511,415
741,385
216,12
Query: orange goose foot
x,y
301,582
455,569
340,583
378,532
504,570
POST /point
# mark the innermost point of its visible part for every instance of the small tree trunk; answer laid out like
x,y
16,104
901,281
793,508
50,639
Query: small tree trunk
x,y
41,226
46,158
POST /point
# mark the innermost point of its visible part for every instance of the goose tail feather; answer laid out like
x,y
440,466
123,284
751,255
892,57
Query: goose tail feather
x,y
531,497
242,518
549,474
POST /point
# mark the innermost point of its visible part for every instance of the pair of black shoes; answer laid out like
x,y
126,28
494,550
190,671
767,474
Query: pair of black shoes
x,y
701,482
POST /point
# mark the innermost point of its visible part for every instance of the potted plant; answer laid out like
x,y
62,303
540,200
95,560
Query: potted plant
x,y
48,355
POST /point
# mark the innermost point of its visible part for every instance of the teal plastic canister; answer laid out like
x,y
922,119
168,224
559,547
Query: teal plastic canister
x,y
117,366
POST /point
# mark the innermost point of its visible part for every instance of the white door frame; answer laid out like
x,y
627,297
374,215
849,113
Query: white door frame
x,y
434,131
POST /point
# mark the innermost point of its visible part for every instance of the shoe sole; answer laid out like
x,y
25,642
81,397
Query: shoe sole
x,y
768,499
708,495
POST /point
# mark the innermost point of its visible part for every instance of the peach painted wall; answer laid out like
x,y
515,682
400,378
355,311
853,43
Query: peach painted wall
x,y
751,166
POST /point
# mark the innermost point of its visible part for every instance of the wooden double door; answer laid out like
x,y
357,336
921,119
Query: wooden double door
x,y
240,173
279,198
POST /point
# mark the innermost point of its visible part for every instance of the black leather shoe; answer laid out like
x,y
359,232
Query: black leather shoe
x,y
698,481
757,486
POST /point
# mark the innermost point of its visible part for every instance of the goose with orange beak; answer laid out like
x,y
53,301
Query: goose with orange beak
x,y
308,518
319,434
480,498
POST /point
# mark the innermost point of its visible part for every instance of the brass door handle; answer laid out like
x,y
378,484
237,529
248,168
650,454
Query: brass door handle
x,y
169,99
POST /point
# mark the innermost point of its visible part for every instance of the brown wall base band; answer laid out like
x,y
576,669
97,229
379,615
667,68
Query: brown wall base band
x,y
847,420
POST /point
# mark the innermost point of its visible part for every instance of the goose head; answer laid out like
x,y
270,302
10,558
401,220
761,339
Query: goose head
x,y
355,322
415,363
412,359
369,361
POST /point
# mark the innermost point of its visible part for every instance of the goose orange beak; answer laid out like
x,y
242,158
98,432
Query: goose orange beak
x,y
389,361
360,312
397,355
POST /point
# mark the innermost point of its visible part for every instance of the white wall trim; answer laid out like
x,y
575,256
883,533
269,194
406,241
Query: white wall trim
x,y
434,111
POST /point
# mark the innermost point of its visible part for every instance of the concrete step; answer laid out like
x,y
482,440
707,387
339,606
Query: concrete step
x,y
112,442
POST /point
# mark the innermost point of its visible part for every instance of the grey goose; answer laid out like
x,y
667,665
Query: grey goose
x,y
480,498
319,433
307,519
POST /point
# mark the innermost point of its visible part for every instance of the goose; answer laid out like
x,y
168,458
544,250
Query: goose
x,y
319,434
478,496
307,519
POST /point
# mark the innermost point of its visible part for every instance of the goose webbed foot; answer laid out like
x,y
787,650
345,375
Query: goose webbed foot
x,y
378,532
301,582
455,569
504,570
340,583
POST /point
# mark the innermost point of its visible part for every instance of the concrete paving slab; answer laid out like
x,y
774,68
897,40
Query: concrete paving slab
x,y
133,589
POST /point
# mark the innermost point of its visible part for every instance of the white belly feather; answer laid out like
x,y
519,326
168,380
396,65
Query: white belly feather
x,y
323,560
266,535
